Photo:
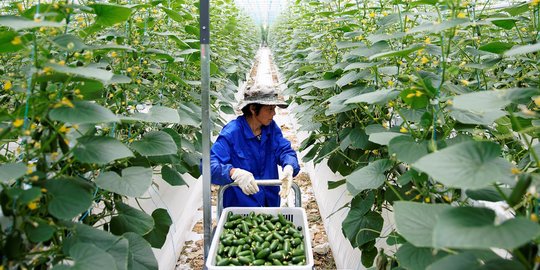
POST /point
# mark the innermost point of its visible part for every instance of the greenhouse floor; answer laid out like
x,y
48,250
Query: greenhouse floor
x,y
264,72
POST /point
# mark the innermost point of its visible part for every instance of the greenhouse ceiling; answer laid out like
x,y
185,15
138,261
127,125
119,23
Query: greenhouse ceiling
x,y
262,11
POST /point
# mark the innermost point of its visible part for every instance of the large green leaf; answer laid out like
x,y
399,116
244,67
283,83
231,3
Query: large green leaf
x,y
467,165
12,171
477,118
172,176
465,260
375,97
523,49
110,14
6,39
416,221
486,101
89,257
407,149
173,15
101,75
434,27
325,84
83,112
155,143
20,23
383,138
142,256
117,247
70,42
369,177
475,228
130,219
496,47
360,210
159,114
417,258
100,150
69,197
348,78
188,116
134,181
400,53
39,231
162,223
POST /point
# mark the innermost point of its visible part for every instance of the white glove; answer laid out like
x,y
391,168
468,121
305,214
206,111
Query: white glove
x,y
245,181
286,181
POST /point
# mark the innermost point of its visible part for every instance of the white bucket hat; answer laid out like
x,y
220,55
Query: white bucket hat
x,y
265,95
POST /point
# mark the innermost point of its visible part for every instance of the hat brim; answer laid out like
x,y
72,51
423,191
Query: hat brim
x,y
281,104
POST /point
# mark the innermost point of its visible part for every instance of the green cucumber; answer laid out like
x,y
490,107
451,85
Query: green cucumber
x,y
223,262
263,253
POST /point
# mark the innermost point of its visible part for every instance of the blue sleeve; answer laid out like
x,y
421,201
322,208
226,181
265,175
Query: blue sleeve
x,y
284,152
220,161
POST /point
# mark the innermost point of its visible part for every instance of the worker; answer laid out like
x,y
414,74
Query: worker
x,y
251,147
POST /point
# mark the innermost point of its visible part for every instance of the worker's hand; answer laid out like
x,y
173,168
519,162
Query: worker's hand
x,y
245,181
286,181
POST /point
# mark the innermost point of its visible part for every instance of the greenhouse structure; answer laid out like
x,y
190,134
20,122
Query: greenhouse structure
x,y
400,134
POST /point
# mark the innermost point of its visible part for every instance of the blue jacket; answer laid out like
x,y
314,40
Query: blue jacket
x,y
237,147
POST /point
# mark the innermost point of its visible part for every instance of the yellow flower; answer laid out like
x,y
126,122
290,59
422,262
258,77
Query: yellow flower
x,y
427,40
7,85
515,170
114,54
64,102
461,15
363,21
390,83
464,82
43,190
418,93
20,7
427,199
403,130
449,102
18,122
129,69
417,197
424,60
27,132
391,104
62,62
375,152
535,2
411,95
77,91
34,178
16,40
80,19
63,129
384,13
537,101
534,217
29,168
47,70
372,14
32,205
446,198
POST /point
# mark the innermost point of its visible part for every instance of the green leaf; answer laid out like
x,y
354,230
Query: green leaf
x,y
110,14
467,165
130,219
83,112
478,118
18,23
117,247
401,53
173,15
101,75
407,149
155,143
162,223
134,181
39,231
70,42
12,171
6,37
504,23
324,84
416,221
496,47
89,257
100,150
159,114
192,30
523,49
188,116
383,138
369,177
141,254
410,98
172,177
433,27
69,197
474,228
465,260
361,227
348,78
417,258
487,194
375,97
485,101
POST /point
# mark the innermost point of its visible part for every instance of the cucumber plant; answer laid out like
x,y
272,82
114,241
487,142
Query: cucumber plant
x,y
96,97
425,108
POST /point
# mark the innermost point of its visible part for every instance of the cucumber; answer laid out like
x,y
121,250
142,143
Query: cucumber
x,y
223,262
276,255
274,245
524,180
276,262
258,262
258,238
299,259
263,253
244,260
243,253
297,252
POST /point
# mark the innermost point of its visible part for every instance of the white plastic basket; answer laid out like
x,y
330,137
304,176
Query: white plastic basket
x,y
296,215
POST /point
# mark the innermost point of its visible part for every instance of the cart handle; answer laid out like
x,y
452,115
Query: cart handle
x,y
270,182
